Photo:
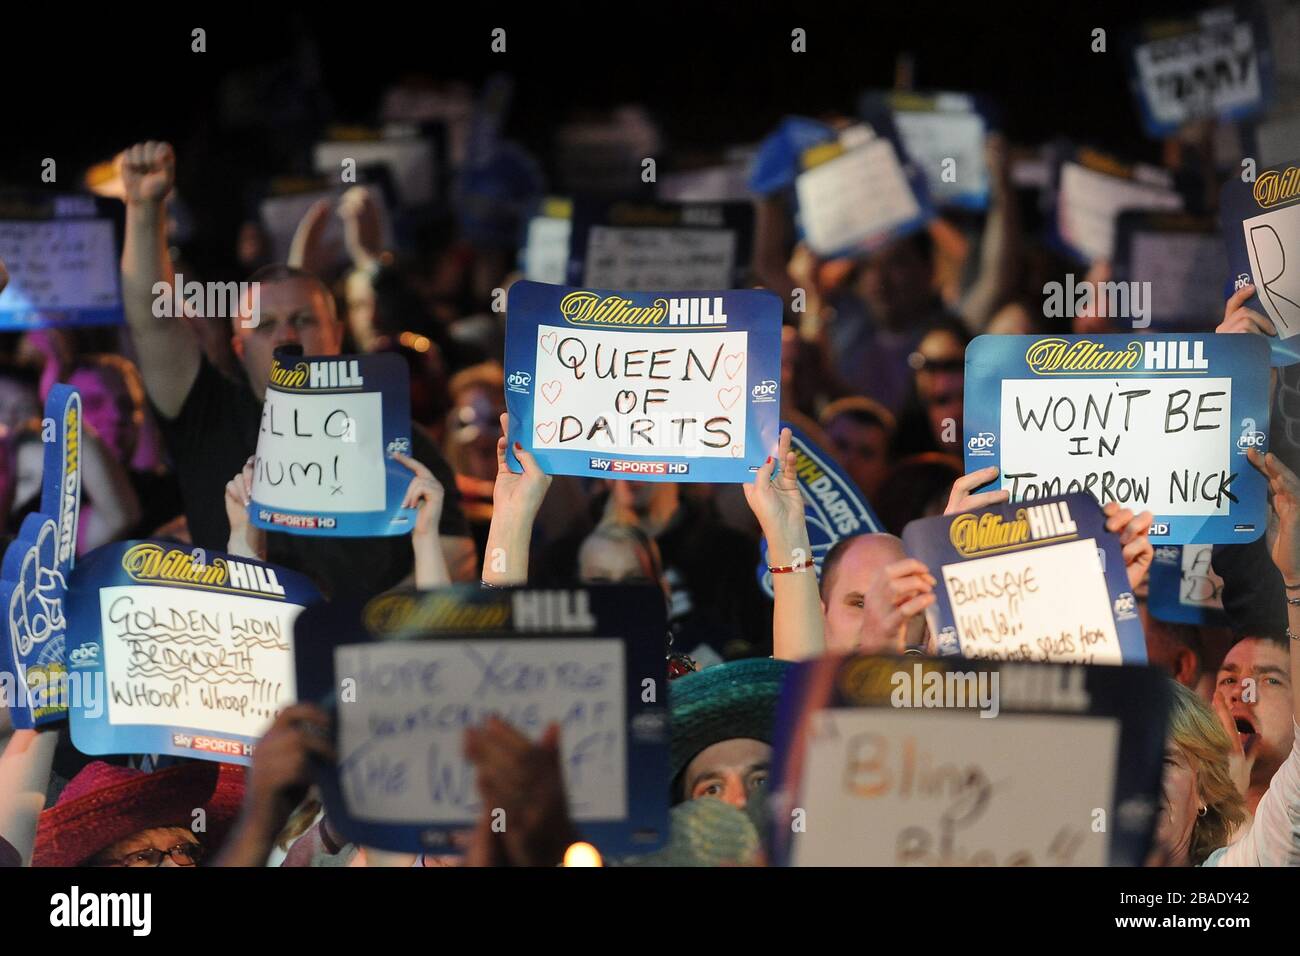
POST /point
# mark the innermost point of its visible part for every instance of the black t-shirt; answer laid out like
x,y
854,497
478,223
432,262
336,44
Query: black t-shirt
x,y
216,432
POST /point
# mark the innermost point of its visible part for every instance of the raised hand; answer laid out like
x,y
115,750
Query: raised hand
x,y
1239,763
961,499
778,504
1284,486
1133,541
246,540
148,172
1238,318
518,493
898,598
425,494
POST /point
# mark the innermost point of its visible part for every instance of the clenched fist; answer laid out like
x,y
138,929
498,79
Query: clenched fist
x,y
148,172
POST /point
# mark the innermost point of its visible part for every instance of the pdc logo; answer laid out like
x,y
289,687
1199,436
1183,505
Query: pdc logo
x,y
764,391
1251,438
1126,605
399,446
981,444
84,654
1241,282
519,382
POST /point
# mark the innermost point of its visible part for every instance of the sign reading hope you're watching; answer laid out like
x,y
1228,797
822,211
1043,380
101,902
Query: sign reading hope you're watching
x,y
1158,423
657,386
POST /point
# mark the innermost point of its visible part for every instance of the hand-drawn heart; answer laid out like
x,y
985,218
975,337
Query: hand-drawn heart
x,y
547,342
546,431
737,451
551,390
618,401
732,364
727,396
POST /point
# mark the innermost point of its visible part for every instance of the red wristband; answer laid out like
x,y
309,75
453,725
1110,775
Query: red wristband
x,y
792,567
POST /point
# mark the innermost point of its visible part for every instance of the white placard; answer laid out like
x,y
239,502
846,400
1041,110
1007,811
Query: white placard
x,y
897,788
1195,75
933,138
58,264
1158,444
1051,600
1088,203
401,742
1273,244
182,657
677,393
321,452
409,160
642,259
546,249
857,196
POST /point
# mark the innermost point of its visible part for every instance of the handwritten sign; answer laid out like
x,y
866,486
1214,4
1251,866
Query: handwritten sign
x,y
545,255
945,134
328,427
1156,422
410,672
641,246
34,575
1216,64
411,162
1261,225
858,193
834,507
1089,192
1184,588
63,264
1175,253
1038,582
892,758
655,386
180,651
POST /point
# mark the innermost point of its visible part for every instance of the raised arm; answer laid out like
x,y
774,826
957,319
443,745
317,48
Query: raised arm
x,y
114,507
797,627
425,494
168,348
999,247
516,499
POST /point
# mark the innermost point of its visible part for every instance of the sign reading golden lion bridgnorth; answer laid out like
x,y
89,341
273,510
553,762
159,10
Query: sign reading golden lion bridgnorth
x,y
1156,422
655,386
1261,226
1031,582
180,651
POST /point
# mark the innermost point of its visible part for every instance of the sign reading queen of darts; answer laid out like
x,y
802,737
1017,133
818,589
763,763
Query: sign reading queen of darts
x,y
655,386
34,575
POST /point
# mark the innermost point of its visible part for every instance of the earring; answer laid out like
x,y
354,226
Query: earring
x,y
1203,811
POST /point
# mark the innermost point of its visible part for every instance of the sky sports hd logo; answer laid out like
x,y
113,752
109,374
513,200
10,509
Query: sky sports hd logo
x,y
621,466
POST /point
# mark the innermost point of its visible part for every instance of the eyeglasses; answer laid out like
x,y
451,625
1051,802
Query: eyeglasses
x,y
919,362
182,854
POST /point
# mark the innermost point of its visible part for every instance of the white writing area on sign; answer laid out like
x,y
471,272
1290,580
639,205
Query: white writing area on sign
x,y
680,393
1157,444
1268,239
321,452
58,265
1040,604
190,658
1089,202
934,138
401,741
902,789
643,259
858,195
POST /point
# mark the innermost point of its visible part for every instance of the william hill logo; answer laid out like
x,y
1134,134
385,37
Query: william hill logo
x,y
973,534
1273,188
587,308
1085,357
151,563
341,373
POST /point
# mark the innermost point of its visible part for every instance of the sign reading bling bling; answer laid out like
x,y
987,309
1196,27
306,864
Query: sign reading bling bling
x,y
656,386
180,652
34,575
1155,422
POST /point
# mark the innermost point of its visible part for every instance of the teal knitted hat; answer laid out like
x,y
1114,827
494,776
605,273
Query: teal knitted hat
x,y
720,703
